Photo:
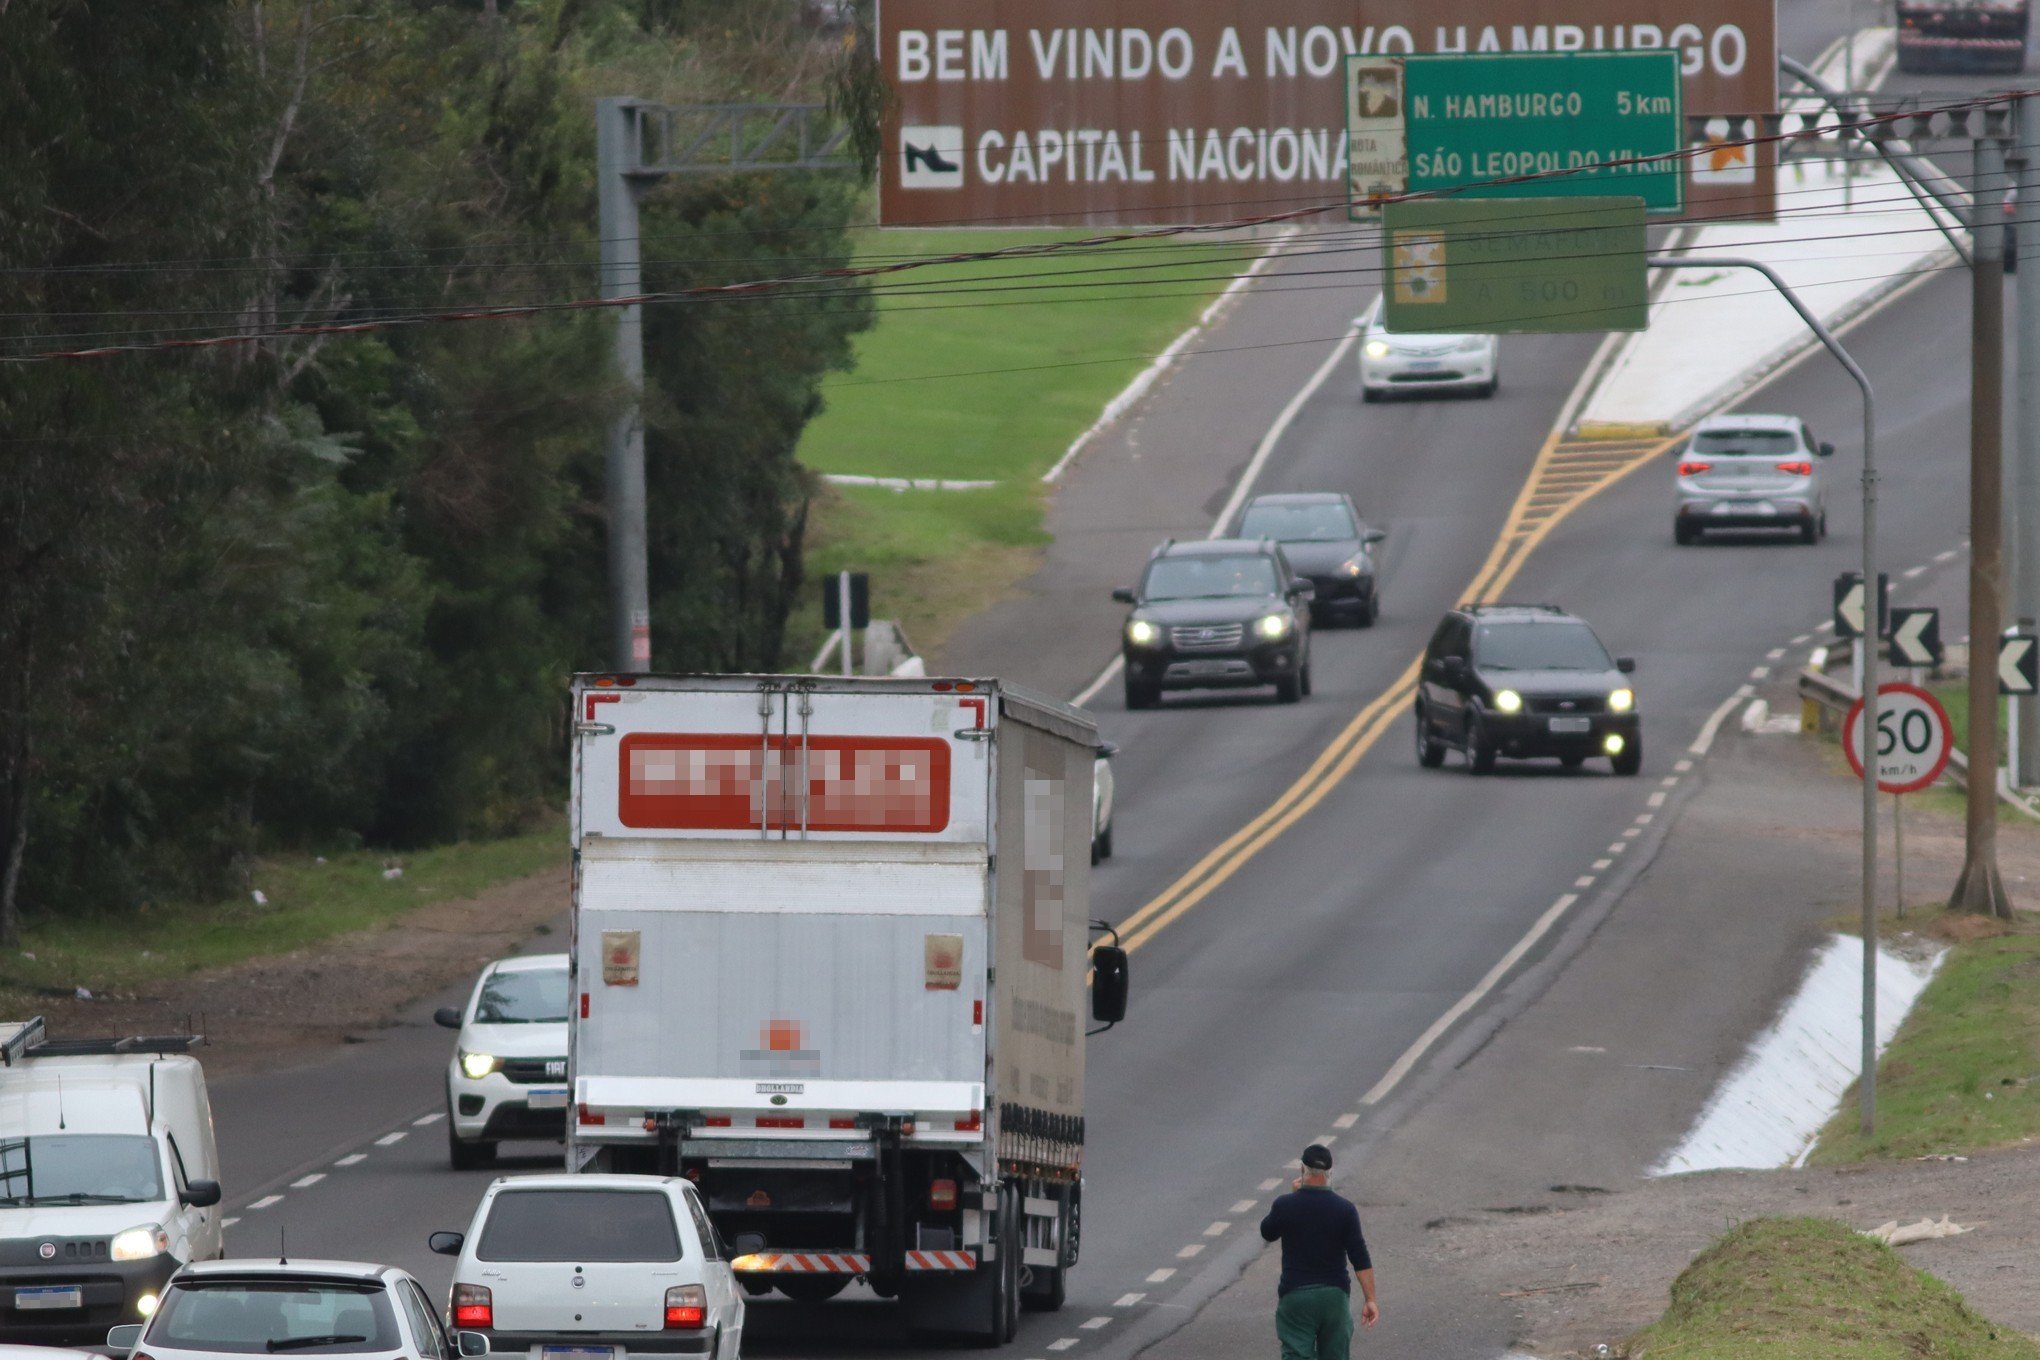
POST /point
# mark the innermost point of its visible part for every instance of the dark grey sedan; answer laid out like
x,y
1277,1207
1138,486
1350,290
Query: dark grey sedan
x,y
1328,543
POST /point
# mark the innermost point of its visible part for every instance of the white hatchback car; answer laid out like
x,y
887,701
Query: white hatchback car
x,y
1743,472
1391,362
212,1310
508,1076
594,1267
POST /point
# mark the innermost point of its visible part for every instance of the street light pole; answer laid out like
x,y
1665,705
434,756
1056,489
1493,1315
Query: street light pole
x,y
1867,1087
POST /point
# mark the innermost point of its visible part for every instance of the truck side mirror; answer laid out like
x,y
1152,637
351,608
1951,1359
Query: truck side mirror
x,y
447,1017
1124,595
201,1194
124,1337
1108,984
446,1243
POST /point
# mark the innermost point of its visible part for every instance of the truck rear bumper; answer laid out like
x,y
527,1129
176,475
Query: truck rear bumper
x,y
848,1263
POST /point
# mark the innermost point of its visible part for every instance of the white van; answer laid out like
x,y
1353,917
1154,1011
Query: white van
x,y
109,1180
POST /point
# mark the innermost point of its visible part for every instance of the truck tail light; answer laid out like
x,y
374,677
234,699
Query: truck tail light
x,y
715,1121
686,1306
584,1005
942,1194
588,1116
781,1121
843,1122
1797,469
974,1124
1685,470
473,1307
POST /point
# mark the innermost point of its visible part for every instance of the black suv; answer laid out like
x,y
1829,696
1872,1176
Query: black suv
x,y
1217,614
1323,537
1524,680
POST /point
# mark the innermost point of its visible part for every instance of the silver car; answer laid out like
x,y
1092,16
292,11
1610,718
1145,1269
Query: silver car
x,y
1747,472
1410,363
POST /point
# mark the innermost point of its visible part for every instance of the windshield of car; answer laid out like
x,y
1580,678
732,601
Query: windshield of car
x,y
1754,443
1202,578
1320,523
526,996
580,1225
80,1168
275,1317
1539,647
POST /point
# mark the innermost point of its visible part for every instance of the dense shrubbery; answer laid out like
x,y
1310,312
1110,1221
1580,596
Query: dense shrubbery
x,y
328,587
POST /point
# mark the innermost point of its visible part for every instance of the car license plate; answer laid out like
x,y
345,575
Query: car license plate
x,y
1426,365
1572,724
1747,508
1209,667
548,1100
578,1353
50,1296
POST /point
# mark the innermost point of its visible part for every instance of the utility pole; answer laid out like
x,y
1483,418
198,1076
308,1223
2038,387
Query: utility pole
x,y
1980,888
2025,461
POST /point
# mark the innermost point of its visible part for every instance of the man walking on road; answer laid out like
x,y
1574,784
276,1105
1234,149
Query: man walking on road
x,y
1320,1234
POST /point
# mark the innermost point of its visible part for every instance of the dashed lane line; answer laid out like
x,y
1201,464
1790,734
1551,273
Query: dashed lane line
x,y
1217,1229
1063,1344
432,1118
352,1159
265,1201
1584,881
1272,1183
1127,1300
1093,1324
307,1182
1246,1206
1345,1121
228,1222
1602,865
1185,1253
1162,1276
391,1139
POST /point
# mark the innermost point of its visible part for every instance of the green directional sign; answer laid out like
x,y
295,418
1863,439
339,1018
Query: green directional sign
x,y
1577,124
1515,265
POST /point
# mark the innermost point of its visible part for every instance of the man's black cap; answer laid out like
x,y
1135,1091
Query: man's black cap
x,y
1318,1157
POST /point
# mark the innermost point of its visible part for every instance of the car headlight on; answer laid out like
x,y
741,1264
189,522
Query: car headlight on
x,y
1621,700
479,1065
139,1244
1377,349
1508,701
1140,632
1352,566
1272,625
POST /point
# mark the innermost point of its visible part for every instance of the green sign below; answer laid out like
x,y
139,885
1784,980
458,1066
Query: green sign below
x,y
1510,266
1578,124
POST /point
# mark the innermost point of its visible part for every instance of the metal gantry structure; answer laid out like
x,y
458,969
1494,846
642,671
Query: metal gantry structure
x,y
637,144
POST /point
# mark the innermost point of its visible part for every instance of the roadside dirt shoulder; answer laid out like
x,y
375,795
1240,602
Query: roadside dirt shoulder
x,y
284,1009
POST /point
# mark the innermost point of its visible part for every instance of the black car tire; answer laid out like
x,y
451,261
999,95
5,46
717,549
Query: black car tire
x,y
1809,532
1572,762
1370,609
1631,760
466,1156
1303,678
1684,535
1430,750
1105,842
1369,394
1289,689
1142,696
1480,753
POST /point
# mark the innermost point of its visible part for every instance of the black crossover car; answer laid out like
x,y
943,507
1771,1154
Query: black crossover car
x,y
1524,680
1217,614
1324,538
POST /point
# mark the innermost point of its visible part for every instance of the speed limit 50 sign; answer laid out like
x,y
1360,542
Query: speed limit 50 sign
x,y
1913,738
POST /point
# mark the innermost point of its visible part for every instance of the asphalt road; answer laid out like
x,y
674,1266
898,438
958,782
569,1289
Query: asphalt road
x,y
1264,1012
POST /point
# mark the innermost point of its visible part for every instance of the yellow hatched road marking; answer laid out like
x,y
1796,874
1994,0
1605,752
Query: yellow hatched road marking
x,y
1565,475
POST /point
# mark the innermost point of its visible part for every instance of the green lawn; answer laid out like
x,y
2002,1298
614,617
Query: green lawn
x,y
1964,1070
308,902
1814,1289
983,372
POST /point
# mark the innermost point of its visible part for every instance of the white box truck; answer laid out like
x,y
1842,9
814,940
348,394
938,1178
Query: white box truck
x,y
830,950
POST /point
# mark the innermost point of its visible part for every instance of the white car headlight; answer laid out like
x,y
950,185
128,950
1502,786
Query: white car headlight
x,y
1621,700
478,1065
1272,625
1140,632
1508,701
139,1244
1377,349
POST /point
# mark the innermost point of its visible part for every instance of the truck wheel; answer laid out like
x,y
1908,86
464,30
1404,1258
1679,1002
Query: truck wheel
x,y
1002,1304
1046,1286
813,1288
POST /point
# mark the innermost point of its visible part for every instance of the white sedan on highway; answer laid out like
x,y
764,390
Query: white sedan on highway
x,y
508,1075
1394,363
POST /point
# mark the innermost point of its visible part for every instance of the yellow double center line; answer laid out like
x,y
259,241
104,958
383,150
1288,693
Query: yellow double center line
x,y
1565,475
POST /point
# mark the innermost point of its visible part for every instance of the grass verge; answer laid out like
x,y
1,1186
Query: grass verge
x,y
1814,1289
982,372
1963,1072
310,899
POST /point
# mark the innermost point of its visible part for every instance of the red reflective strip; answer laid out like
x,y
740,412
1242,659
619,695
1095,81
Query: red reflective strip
x,y
772,1121
977,706
595,699
584,1005
977,1012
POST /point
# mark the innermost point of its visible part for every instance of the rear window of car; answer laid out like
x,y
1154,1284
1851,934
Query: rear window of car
x,y
580,1225
1759,443
279,1317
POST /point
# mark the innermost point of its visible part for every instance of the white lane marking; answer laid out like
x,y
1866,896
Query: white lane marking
x,y
390,1139
1062,1345
1683,766
228,1222
1161,1276
1272,1183
1186,1253
1948,556
1217,1229
265,1201
1617,848
1775,654
1127,1300
1632,831
1802,639
307,1182
1705,740
1584,881
1403,1065
352,1159
1669,781
1093,1324
1345,1121
1327,1139
1759,672
1600,865
1824,626
1105,677
1745,691
1656,800
432,1118
1644,819
1245,1206
1910,572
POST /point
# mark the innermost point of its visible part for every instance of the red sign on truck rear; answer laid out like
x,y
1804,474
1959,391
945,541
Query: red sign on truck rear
x,y
702,781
